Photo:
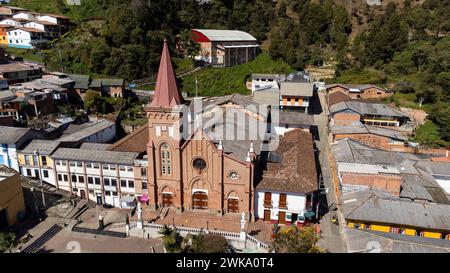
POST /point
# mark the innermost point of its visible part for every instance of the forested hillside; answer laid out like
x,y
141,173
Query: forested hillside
x,y
402,44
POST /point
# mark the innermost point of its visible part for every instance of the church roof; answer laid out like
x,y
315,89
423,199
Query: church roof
x,y
167,94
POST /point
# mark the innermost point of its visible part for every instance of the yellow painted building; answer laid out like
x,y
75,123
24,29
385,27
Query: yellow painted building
x,y
4,34
401,230
11,197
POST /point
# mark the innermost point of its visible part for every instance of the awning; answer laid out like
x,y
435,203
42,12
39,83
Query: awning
x,y
309,214
144,198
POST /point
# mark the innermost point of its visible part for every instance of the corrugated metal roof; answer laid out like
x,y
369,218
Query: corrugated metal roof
x,y
11,135
302,89
87,131
226,35
124,158
366,206
45,147
365,108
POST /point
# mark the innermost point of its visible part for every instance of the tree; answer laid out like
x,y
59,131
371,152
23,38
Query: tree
x,y
186,44
171,239
296,240
206,243
7,241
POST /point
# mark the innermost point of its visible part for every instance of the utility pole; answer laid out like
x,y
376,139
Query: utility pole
x,y
36,153
196,87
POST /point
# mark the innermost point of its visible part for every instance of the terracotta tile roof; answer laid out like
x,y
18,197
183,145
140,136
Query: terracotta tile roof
x,y
134,142
337,97
167,93
295,170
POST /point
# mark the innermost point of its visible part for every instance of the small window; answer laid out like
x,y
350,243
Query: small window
x,y
144,185
80,179
90,180
45,172
129,169
66,178
106,181
113,182
105,166
89,165
122,168
112,167
28,172
60,177
97,181
96,165
123,183
74,178
130,184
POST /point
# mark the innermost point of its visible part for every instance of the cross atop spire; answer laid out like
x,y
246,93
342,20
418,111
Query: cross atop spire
x,y
166,91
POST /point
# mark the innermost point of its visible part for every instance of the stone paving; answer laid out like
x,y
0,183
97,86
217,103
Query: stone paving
x,y
229,222
75,242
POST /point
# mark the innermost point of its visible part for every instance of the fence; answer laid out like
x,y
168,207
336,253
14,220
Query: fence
x,y
186,230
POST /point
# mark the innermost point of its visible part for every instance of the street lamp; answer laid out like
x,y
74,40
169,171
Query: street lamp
x,y
36,153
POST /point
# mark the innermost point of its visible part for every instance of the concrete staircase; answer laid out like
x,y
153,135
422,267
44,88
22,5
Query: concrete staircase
x,y
41,240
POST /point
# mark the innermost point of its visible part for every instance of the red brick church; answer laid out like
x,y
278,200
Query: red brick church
x,y
197,173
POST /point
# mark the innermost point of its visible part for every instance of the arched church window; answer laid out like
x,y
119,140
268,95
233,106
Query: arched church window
x,y
165,160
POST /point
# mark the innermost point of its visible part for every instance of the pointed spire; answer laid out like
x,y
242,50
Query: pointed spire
x,y
251,150
248,157
220,147
166,91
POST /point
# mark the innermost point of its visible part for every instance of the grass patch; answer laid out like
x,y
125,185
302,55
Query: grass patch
x,y
30,55
428,134
365,76
224,81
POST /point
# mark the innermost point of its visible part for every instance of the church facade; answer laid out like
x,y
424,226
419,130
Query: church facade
x,y
194,173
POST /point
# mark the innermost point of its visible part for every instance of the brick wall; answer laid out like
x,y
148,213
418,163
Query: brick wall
x,y
346,118
389,183
375,141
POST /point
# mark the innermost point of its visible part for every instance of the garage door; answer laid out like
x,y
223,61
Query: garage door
x,y
200,200
167,199
233,205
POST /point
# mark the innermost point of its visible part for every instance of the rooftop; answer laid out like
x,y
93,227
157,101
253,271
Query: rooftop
x,y
81,81
11,135
367,129
371,206
302,89
124,158
366,108
14,67
83,131
96,146
45,147
226,35
295,169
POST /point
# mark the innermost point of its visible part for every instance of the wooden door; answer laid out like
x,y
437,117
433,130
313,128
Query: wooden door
x,y
200,200
267,199
281,217
266,215
233,205
82,194
282,202
167,199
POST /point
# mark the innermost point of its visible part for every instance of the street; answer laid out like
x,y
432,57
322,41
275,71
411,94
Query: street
x,y
331,235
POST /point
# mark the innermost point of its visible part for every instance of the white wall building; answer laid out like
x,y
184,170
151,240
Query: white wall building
x,y
22,37
11,140
102,176
266,81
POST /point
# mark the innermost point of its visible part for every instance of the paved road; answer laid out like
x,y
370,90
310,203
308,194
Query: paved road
x,y
332,238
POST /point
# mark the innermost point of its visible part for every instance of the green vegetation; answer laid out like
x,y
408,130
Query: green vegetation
x,y
7,241
429,134
28,55
311,34
223,81
296,240
202,243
